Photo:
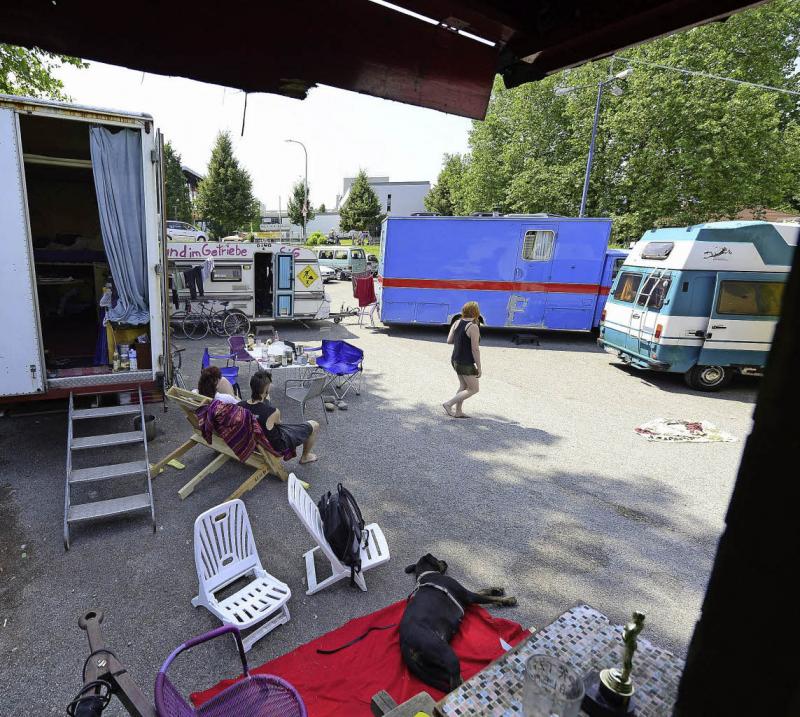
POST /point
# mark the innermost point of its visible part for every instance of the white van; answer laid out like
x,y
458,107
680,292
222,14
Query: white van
x,y
344,260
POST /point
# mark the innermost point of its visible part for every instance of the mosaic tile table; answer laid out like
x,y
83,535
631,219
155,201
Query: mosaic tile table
x,y
584,638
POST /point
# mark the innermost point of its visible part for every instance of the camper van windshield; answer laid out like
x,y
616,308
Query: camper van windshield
x,y
657,250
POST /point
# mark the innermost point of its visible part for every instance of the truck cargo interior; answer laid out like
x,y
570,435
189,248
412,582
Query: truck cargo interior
x,y
70,261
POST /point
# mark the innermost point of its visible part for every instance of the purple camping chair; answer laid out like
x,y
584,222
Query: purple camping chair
x,y
228,371
252,696
236,344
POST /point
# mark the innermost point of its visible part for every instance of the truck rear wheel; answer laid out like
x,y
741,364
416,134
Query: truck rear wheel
x,y
708,378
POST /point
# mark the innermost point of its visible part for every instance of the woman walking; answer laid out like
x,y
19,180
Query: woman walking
x,y
465,336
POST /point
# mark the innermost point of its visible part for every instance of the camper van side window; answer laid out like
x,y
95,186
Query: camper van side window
x,y
226,273
326,254
750,298
627,286
538,245
341,254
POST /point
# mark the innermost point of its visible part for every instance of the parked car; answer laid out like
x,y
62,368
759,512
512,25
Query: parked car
x,y
327,274
181,231
372,264
344,260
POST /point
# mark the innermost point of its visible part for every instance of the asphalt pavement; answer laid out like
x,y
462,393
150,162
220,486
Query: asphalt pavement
x,y
545,490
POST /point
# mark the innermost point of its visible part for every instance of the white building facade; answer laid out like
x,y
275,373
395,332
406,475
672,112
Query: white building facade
x,y
401,199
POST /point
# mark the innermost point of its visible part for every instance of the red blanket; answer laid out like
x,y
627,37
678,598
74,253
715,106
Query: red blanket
x,y
343,683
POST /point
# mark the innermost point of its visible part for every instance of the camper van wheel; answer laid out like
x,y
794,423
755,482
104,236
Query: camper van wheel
x,y
708,378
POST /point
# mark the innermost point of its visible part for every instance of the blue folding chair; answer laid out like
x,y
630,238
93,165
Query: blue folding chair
x,y
344,363
228,371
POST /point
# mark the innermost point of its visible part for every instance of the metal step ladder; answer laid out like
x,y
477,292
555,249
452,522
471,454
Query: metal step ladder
x,y
99,509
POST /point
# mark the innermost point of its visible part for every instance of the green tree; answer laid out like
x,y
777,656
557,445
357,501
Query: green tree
x,y
225,197
361,210
30,72
671,148
321,209
179,205
445,196
294,207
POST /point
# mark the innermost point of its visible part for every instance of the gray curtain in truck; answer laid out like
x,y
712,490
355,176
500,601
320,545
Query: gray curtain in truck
x,y
118,182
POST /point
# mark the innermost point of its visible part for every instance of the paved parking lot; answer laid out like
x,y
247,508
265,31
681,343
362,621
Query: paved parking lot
x,y
546,490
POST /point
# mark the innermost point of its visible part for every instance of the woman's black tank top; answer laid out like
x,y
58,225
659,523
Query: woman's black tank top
x,y
462,344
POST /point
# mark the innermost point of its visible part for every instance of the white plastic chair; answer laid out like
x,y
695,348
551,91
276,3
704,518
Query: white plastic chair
x,y
376,553
225,551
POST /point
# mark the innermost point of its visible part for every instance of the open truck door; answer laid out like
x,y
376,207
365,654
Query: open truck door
x,y
166,305
21,364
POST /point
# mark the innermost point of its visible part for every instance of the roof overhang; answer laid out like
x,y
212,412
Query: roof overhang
x,y
289,47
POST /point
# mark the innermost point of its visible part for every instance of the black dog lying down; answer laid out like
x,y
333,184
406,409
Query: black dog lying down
x,y
432,618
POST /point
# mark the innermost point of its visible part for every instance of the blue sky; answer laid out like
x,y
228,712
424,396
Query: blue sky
x,y
343,131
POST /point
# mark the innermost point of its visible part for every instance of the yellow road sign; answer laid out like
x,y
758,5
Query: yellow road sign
x,y
308,276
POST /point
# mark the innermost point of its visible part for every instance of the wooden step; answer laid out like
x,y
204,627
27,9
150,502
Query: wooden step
x,y
114,470
107,439
107,508
130,409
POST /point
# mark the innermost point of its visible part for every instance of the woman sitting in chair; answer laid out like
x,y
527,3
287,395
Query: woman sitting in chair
x,y
282,436
214,385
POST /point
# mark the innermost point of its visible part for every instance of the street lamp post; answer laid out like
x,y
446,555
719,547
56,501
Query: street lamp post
x,y
305,185
615,90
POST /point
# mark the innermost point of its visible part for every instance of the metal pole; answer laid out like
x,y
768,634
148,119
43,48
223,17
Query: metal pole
x,y
582,210
305,188
305,196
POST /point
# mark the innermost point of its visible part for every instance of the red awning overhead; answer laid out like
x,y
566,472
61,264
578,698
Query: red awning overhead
x,y
288,47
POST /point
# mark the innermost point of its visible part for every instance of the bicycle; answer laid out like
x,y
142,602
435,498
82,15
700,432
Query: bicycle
x,y
177,362
223,322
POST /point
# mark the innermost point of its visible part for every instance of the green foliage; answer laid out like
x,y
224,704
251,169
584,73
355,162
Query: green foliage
x,y
362,210
294,208
315,238
672,150
179,205
445,197
30,72
225,197
321,209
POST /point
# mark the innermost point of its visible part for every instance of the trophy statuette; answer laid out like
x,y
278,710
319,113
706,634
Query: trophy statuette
x,y
610,693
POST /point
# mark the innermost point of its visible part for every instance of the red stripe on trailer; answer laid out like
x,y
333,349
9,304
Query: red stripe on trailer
x,y
481,285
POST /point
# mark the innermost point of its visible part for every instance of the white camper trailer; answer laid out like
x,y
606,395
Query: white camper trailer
x,y
80,219
268,281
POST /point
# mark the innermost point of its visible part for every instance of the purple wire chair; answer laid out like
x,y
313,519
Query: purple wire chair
x,y
253,696
237,346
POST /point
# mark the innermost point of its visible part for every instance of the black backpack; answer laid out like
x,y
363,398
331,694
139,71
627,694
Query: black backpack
x,y
343,526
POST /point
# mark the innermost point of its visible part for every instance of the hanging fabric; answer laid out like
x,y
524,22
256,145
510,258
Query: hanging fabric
x,y
119,185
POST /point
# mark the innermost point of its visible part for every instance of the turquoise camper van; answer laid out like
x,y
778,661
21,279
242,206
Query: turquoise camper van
x,y
701,300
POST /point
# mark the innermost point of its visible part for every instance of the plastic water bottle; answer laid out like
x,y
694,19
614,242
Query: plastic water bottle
x,y
134,365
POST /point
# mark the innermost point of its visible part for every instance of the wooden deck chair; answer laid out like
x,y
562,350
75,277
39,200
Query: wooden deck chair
x,y
376,553
263,462
224,552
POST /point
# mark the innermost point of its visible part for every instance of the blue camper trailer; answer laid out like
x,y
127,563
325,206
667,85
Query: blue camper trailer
x,y
701,300
525,271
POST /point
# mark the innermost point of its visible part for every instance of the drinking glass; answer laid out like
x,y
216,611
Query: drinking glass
x,y
552,688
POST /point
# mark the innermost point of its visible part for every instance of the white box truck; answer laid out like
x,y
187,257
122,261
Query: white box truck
x,y
81,216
